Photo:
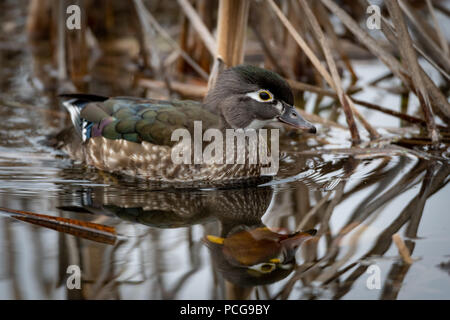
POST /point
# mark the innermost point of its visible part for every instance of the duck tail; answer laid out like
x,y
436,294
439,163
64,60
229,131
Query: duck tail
x,y
74,103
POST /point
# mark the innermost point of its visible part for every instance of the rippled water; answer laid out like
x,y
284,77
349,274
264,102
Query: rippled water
x,y
160,251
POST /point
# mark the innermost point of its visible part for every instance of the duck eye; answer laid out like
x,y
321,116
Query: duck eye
x,y
265,95
263,267
267,267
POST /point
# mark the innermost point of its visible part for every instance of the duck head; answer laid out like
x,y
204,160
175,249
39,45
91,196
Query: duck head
x,y
251,97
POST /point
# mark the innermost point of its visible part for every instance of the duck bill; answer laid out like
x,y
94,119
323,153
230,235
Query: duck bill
x,y
296,239
291,117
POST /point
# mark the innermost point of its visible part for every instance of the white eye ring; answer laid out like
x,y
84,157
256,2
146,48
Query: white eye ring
x,y
263,267
257,95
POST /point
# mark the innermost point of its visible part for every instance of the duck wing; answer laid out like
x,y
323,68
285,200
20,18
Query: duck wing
x,y
135,119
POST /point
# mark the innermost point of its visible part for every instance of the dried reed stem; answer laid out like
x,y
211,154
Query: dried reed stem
x,y
426,36
231,30
38,25
333,80
402,249
300,86
84,229
438,99
336,83
77,50
441,36
298,38
199,26
170,40
410,60
58,14
186,90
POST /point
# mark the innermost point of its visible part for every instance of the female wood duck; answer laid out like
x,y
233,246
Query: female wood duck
x,y
133,136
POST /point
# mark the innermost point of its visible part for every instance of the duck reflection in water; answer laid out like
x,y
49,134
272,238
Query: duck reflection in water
x,y
245,252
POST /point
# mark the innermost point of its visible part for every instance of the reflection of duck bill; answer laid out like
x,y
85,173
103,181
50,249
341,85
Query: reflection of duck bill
x,y
296,239
256,256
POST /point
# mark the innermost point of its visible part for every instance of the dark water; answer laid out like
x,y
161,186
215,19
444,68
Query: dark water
x,y
355,203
